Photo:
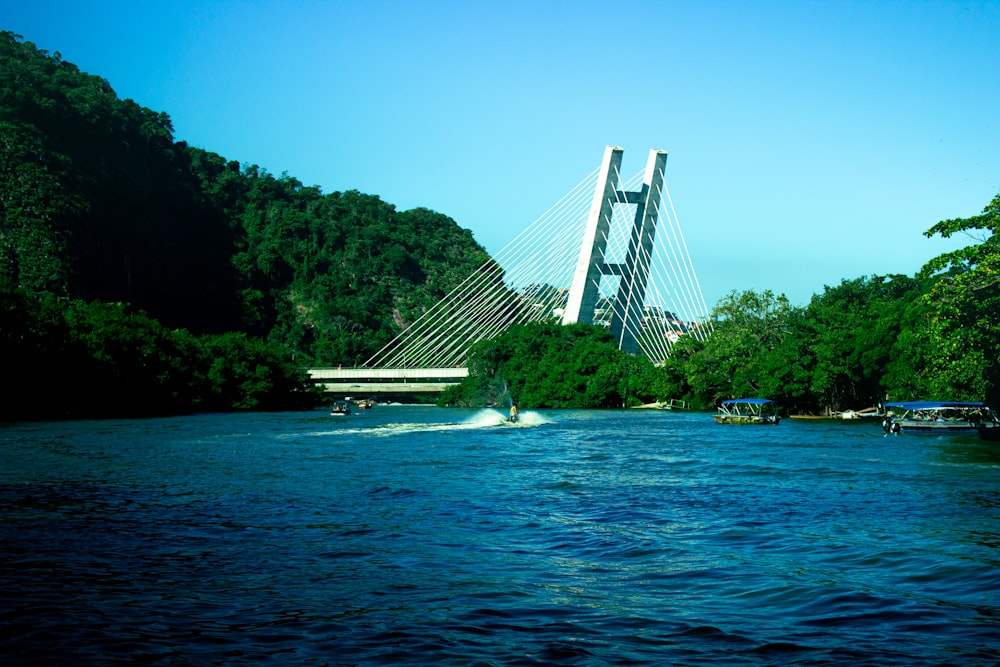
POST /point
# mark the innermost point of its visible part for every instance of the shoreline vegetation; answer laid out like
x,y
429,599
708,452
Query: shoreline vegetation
x,y
141,276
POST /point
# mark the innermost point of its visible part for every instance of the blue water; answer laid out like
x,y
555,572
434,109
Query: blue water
x,y
418,535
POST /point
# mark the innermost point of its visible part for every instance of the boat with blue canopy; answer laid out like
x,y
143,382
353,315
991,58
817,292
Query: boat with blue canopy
x,y
942,418
755,411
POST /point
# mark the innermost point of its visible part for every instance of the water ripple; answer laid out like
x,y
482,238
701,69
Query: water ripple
x,y
424,536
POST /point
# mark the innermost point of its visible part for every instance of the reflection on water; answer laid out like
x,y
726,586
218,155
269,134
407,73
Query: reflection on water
x,y
421,535
966,450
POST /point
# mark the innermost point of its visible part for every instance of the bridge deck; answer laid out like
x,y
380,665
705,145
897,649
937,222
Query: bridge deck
x,y
387,380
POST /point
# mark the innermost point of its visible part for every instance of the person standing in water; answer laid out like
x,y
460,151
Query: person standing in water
x,y
513,413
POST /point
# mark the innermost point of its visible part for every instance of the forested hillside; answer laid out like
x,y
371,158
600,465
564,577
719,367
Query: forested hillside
x,y
239,279
140,275
100,202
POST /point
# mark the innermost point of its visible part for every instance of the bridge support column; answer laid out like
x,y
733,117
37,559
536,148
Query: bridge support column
x,y
634,268
590,264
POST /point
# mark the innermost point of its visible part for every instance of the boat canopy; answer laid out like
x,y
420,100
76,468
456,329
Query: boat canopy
x,y
751,401
931,405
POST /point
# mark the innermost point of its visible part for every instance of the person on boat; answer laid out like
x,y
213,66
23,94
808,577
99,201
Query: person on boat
x,y
513,413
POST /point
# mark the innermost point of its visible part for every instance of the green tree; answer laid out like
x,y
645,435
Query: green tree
x,y
128,364
98,202
749,326
247,374
546,365
852,330
961,326
38,353
673,380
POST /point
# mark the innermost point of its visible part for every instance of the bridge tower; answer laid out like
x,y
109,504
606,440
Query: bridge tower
x,y
634,267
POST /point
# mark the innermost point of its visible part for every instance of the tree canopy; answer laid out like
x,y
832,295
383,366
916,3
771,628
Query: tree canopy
x,y
99,202
545,364
159,270
933,336
100,205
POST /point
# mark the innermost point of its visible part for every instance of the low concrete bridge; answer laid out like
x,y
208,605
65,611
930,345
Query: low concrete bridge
x,y
381,381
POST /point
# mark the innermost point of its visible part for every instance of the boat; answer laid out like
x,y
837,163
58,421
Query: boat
x,y
867,413
758,411
341,408
669,404
942,418
846,415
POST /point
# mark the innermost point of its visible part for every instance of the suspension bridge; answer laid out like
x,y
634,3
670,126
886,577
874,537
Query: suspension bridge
x,y
610,253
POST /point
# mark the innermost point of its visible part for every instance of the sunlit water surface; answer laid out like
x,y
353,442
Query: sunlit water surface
x,y
417,535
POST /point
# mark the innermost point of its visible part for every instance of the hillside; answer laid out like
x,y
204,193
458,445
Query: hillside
x,y
99,202
140,275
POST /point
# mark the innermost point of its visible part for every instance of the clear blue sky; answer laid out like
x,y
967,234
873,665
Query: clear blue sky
x,y
809,141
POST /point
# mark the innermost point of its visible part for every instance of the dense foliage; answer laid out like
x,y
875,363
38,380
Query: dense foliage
x,y
545,364
934,336
99,204
77,359
140,275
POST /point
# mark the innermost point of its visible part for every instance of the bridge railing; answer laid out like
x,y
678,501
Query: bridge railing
x,y
455,374
387,380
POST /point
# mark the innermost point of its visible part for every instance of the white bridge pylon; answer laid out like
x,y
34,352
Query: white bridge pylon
x,y
609,253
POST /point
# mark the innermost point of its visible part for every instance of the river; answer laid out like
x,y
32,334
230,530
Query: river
x,y
422,535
